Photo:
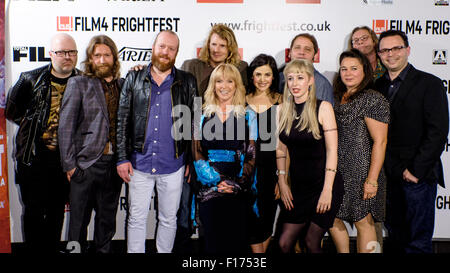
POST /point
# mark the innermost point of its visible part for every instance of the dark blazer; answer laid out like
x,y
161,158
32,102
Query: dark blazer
x,y
84,123
28,105
419,126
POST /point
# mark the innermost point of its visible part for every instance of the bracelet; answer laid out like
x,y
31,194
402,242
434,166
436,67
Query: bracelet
x,y
278,172
331,170
281,157
328,130
371,182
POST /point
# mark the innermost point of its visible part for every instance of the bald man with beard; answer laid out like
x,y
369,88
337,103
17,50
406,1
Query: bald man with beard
x,y
33,104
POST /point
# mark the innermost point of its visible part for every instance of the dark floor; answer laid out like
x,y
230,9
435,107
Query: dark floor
x,y
194,247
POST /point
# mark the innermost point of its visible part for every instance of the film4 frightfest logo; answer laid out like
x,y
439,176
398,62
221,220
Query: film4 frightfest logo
x,y
64,23
379,26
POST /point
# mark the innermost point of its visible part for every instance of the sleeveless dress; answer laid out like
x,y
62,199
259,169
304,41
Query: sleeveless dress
x,y
265,206
307,172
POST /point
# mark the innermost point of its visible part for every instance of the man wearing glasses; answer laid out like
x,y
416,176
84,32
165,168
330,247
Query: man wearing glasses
x,y
365,40
33,104
416,139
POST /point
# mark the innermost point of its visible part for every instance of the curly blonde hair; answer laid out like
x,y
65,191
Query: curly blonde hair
x,y
227,34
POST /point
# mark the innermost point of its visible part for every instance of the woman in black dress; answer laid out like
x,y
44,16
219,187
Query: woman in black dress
x,y
263,99
224,161
307,131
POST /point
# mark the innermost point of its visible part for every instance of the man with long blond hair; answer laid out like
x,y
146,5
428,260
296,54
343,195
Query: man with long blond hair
x,y
220,47
87,137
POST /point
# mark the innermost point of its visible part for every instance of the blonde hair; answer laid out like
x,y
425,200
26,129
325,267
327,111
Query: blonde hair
x,y
227,34
308,117
211,104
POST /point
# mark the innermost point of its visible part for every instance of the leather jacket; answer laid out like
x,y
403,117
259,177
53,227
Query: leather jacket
x,y
28,105
134,108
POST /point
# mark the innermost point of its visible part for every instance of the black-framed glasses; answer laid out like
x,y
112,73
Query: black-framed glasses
x,y
64,53
394,49
362,39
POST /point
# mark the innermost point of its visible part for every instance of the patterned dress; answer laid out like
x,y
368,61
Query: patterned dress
x,y
354,155
225,151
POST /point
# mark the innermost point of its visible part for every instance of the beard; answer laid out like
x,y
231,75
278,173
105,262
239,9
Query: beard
x,y
102,70
163,67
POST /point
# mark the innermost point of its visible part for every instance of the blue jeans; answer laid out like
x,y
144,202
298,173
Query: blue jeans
x,y
410,213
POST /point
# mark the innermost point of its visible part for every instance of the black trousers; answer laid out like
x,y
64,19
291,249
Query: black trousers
x,y
225,226
95,188
44,192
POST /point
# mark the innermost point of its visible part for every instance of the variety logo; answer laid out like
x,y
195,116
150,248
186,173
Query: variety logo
x,y
287,58
241,52
441,2
133,54
33,53
64,23
303,1
440,56
221,1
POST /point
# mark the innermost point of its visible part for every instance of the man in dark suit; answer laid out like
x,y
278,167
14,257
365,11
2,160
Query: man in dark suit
x,y
33,104
87,135
416,139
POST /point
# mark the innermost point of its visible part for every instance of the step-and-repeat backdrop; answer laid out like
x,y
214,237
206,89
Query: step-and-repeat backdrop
x,y
261,26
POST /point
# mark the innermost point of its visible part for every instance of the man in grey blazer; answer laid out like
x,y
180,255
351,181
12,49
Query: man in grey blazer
x,y
87,144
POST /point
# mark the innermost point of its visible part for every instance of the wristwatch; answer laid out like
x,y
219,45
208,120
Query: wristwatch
x,y
278,172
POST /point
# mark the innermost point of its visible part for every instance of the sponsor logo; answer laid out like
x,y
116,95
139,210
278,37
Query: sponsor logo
x,y
241,52
303,1
221,1
119,24
133,54
379,26
288,59
64,23
427,27
32,53
440,56
441,2
378,2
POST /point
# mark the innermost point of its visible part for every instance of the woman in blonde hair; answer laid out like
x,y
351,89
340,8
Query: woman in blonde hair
x,y
224,160
307,131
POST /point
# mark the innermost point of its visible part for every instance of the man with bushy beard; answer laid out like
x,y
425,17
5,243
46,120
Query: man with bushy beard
x,y
149,153
87,137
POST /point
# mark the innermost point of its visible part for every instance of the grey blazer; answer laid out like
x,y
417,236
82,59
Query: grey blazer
x,y
83,123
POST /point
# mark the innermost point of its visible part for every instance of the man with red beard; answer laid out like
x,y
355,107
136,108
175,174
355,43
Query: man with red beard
x,y
87,137
149,152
